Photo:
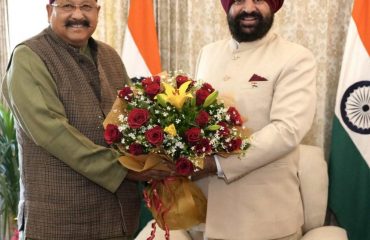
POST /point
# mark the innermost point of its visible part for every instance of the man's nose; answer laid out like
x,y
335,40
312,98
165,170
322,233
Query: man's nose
x,y
249,6
77,12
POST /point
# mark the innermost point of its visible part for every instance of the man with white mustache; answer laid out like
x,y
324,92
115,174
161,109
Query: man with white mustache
x,y
60,84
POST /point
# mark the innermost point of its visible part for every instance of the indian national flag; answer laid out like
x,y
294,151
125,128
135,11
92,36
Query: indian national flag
x,y
140,49
141,55
349,164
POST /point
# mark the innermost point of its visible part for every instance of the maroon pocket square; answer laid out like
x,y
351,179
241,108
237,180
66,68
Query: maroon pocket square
x,y
256,78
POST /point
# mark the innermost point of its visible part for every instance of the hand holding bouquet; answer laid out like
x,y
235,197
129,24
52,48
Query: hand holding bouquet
x,y
173,118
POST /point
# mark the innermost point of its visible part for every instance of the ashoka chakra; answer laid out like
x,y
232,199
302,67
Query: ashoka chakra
x,y
355,107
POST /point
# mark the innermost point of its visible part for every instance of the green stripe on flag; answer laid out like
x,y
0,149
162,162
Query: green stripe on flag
x,y
349,183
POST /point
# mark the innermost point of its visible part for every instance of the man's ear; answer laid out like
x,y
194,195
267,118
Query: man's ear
x,y
49,9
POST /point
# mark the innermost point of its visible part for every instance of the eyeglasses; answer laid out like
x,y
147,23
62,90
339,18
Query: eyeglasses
x,y
69,7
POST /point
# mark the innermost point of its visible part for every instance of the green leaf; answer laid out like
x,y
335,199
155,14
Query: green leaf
x,y
213,127
210,99
193,102
9,169
161,100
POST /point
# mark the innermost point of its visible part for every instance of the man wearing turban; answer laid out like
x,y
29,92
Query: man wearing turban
x,y
256,196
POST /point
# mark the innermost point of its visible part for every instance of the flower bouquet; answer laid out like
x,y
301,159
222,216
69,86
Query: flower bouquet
x,y
171,117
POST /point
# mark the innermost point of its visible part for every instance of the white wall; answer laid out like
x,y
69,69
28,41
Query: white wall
x,y
26,18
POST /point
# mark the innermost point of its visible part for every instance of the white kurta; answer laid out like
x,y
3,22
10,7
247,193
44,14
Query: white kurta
x,y
272,84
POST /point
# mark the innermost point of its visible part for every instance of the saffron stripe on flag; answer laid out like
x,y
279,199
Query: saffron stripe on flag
x,y
361,16
142,27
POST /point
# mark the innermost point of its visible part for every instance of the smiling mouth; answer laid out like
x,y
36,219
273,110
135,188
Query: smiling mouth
x,y
249,21
78,26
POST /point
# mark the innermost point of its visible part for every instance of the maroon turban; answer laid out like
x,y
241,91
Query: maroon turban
x,y
275,5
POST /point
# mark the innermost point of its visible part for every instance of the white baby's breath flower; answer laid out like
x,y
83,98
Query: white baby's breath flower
x,y
244,144
132,136
213,142
180,145
121,117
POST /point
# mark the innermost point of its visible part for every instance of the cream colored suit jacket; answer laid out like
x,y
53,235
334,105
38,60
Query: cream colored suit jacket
x,y
272,84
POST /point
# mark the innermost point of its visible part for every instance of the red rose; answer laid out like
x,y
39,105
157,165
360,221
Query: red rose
x,y
192,135
208,87
137,117
224,131
180,80
150,80
203,146
152,89
112,134
157,79
184,166
234,145
155,135
183,79
201,96
235,117
202,118
136,149
126,94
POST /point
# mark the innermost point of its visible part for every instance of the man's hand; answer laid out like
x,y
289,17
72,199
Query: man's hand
x,y
151,174
209,168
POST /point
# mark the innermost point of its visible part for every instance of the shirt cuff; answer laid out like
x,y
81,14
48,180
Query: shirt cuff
x,y
220,173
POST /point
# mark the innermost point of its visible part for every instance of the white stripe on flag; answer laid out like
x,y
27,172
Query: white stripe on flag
x,y
134,62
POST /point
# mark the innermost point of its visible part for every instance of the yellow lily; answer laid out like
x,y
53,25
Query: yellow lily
x,y
171,129
176,97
